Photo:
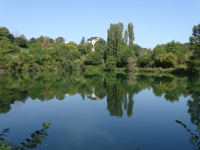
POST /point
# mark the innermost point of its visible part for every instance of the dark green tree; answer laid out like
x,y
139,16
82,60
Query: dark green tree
x,y
172,46
82,49
40,39
59,40
21,42
158,54
131,34
111,63
83,40
145,60
137,49
51,40
115,44
32,40
126,37
194,63
5,35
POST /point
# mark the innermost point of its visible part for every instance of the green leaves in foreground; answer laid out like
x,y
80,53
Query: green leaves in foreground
x,y
194,140
47,125
31,143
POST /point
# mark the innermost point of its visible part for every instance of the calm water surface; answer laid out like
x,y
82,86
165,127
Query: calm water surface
x,y
102,110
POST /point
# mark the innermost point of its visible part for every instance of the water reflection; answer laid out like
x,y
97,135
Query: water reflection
x,y
193,103
194,140
118,89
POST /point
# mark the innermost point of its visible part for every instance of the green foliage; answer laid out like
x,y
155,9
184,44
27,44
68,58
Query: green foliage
x,y
103,64
128,52
45,85
40,39
59,40
83,40
169,60
51,40
43,54
94,58
100,45
172,46
120,70
137,49
78,65
194,63
32,40
5,35
131,63
111,63
145,60
75,54
126,37
158,54
82,49
93,69
131,34
21,42
115,44
88,48
36,139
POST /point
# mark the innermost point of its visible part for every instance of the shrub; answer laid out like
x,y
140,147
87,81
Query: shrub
x,y
111,63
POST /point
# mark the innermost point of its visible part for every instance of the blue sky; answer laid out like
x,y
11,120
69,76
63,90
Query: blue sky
x,y
155,22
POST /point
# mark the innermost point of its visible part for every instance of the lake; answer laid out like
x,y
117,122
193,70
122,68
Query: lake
x,y
102,110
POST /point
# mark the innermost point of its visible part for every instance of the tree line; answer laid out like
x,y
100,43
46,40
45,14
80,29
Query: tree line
x,y
17,53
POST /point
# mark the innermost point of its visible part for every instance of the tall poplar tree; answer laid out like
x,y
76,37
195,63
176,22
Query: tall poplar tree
x,y
126,37
131,34
115,44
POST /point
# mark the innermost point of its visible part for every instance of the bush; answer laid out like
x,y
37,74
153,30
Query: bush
x,y
120,69
111,63
169,60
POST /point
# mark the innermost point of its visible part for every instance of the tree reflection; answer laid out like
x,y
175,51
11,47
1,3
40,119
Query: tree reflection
x,y
194,104
118,89
194,111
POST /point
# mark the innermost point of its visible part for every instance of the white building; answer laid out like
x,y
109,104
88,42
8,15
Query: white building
x,y
66,42
94,40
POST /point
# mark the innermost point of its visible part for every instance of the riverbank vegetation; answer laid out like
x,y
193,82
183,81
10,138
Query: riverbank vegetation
x,y
119,52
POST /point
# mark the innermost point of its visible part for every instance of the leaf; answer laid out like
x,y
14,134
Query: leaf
x,y
39,139
48,123
44,125
2,147
37,132
23,143
45,134
32,145
8,148
4,143
198,127
33,135
198,143
43,137
28,140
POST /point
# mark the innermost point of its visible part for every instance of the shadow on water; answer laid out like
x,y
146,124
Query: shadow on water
x,y
30,143
117,89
